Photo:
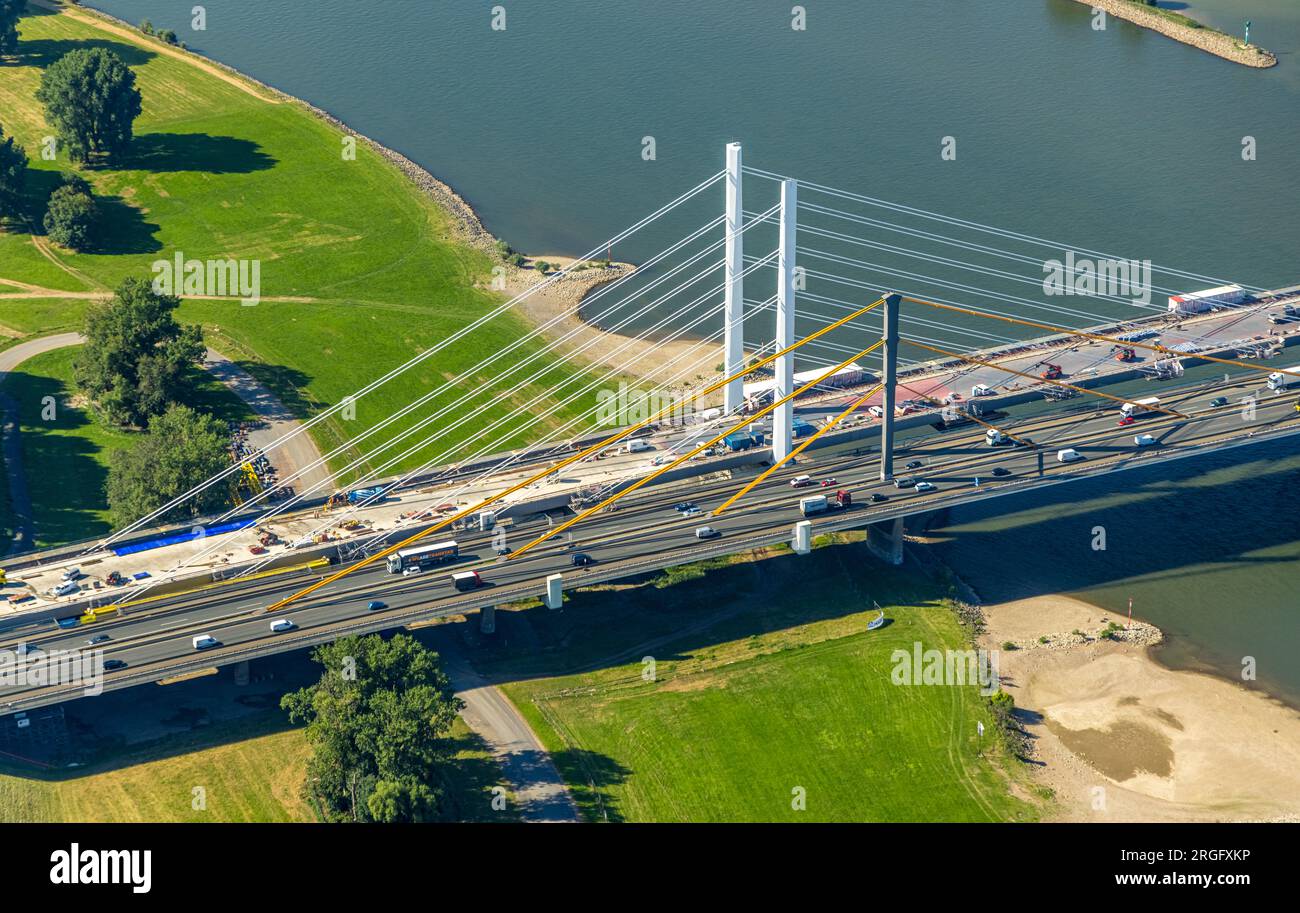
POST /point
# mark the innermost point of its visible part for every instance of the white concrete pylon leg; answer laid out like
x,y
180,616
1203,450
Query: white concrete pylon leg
x,y
554,591
733,343
802,537
783,419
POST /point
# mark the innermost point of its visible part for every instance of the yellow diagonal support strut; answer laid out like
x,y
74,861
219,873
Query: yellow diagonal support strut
x,y
1152,347
800,449
686,456
595,448
1043,380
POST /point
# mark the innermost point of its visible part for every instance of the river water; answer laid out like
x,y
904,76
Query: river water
x,y
1120,140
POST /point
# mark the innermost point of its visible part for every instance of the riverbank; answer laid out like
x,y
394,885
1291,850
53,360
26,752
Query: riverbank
x,y
1118,737
1186,30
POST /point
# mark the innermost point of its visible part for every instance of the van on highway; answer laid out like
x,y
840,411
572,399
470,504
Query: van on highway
x,y
706,532
801,481
204,641
281,625
1068,455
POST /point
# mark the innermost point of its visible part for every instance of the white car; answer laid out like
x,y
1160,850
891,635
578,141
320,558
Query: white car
x,y
282,624
1142,440
925,486
877,411
407,572
67,588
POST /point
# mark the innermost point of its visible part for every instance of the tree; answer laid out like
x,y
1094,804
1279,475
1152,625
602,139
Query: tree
x,y
13,173
181,449
377,722
71,214
91,100
9,13
137,357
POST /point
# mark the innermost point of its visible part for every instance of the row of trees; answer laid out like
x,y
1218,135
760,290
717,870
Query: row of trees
x,y
91,101
137,367
377,722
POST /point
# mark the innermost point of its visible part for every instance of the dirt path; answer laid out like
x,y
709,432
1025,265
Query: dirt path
x,y
20,501
156,47
295,454
539,791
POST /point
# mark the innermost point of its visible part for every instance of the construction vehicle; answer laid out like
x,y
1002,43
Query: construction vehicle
x,y
1124,353
1051,371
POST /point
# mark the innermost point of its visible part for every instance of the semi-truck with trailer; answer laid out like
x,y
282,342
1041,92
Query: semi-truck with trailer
x,y
820,504
743,440
1140,407
1279,381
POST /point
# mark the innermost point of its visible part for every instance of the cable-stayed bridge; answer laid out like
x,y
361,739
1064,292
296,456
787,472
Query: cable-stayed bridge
x,y
814,341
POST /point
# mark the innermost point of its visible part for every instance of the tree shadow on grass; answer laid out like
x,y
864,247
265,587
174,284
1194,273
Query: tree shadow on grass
x,y
41,52
286,383
122,229
65,482
591,775
163,152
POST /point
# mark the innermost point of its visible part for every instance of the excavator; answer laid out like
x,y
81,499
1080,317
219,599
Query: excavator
x,y
1123,353
1051,371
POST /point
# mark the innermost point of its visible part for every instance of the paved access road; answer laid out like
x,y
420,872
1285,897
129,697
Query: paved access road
x,y
647,532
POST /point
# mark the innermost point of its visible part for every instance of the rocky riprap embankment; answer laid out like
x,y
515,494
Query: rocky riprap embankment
x,y
1138,634
1205,38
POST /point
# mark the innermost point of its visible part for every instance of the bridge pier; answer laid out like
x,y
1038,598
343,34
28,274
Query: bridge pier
x,y
241,673
733,344
487,619
885,539
554,597
890,359
802,537
783,420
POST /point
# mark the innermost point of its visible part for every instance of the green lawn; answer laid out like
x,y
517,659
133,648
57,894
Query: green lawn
x,y
65,456
790,691
218,172
251,771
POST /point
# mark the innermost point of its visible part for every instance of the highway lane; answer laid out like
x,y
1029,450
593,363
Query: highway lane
x,y
649,526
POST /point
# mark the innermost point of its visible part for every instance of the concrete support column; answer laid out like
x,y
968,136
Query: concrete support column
x,y
554,598
783,420
890,358
802,537
733,344
885,539
487,619
241,673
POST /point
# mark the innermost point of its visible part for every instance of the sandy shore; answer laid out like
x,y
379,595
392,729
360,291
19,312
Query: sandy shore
x,y
1206,39
653,362
1118,737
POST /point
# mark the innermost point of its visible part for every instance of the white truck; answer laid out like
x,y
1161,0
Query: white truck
x,y
993,437
638,445
204,641
1277,381
1140,407
981,390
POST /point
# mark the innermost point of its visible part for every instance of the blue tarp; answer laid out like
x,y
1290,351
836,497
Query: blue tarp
x,y
177,538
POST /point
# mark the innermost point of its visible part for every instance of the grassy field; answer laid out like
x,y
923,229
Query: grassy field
x,y
219,169
65,458
766,681
250,771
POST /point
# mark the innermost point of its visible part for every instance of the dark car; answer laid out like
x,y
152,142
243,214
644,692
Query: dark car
x,y
915,464
684,506
904,482
502,551
877,497
1001,471
98,639
1219,401
581,559
111,664
374,605
1021,442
